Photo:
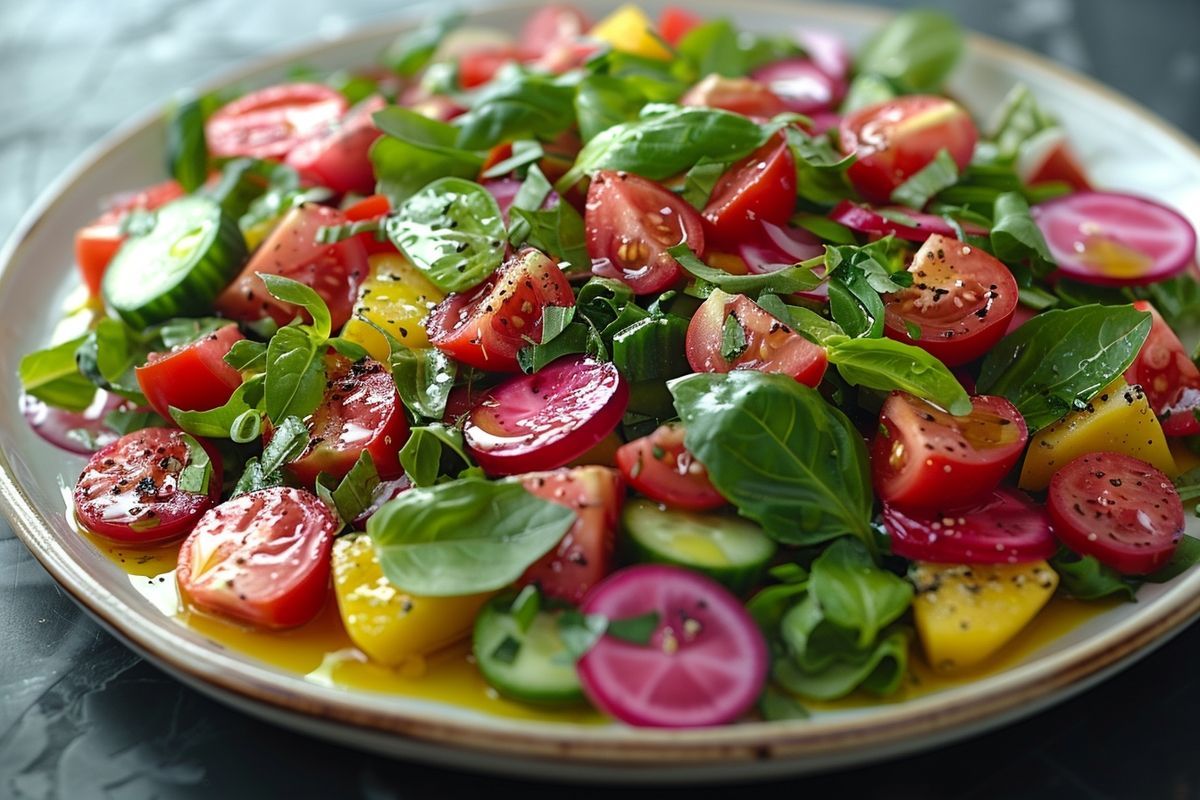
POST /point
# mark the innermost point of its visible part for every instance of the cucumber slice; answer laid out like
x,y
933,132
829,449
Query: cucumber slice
x,y
178,267
533,665
729,549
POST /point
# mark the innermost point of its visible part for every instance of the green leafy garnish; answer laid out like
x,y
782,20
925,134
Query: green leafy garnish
x,y
353,494
886,364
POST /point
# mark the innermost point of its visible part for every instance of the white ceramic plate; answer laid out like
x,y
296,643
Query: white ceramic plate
x,y
1124,147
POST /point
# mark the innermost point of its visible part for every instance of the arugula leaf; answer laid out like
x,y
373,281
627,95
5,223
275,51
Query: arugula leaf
x,y
295,374
1059,360
781,454
288,441
464,537
221,422
354,493
940,173
1085,578
416,151
410,53
52,376
916,50
855,594
303,295
886,364
1015,237
517,104
452,231
789,280
423,454
663,141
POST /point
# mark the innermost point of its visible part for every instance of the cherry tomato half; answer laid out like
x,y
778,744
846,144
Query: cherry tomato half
x,y
759,188
961,300
1119,509
487,326
923,457
1168,376
128,492
270,122
336,155
739,95
261,558
630,223
898,138
674,23
191,377
769,345
549,28
97,242
660,467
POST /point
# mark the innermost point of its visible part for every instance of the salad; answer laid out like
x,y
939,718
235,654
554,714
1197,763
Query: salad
x,y
690,373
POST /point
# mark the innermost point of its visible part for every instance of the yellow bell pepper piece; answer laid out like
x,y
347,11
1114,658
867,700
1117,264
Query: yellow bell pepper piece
x,y
629,30
1118,420
397,298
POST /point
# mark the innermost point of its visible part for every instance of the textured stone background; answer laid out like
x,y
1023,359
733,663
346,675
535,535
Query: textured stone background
x,y
81,716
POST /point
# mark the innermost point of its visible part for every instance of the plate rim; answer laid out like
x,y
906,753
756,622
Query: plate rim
x,y
990,701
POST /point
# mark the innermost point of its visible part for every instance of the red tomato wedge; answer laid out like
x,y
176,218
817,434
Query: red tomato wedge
x,y
547,419
1114,239
1047,157
371,207
334,271
898,138
261,558
760,188
770,345
270,122
487,326
803,87
1006,528
1168,376
192,377
97,242
83,432
361,411
739,95
585,555
961,299
660,467
914,226
549,28
1119,509
128,492
704,665
674,23
922,456
336,156
630,222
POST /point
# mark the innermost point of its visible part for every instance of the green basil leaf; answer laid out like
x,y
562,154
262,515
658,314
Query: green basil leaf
x,y
1015,237
452,231
806,322
185,330
768,606
247,355
580,632
1188,486
416,151
288,442
717,47
602,101
789,280
820,168
52,376
517,104
464,537
525,153
187,149
1085,578
126,420
733,338
218,423
197,473
634,630
854,593
525,607
1186,555
867,89
423,455
916,50
1178,300
413,51
1059,360
295,374
781,454
886,364
1018,119
940,173
880,670
302,295
245,180
557,232
354,493
424,378
602,300
776,705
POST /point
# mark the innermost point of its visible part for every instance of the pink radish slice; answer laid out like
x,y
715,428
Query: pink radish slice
x,y
778,247
704,665
823,121
828,51
1007,528
802,86
866,220
1114,239
56,425
504,190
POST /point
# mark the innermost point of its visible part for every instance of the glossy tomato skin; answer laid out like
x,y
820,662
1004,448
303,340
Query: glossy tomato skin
x,y
739,95
128,490
674,23
261,558
192,377
585,555
660,467
961,299
336,156
97,242
924,457
771,346
630,222
759,188
1119,509
270,122
361,411
545,420
487,326
334,271
896,139
1168,376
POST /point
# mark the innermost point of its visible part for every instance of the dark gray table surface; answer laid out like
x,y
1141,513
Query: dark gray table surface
x,y
81,716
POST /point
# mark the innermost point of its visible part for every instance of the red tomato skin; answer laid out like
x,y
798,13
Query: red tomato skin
x,y
744,96
361,411
480,66
1061,165
760,187
674,478
480,327
334,271
269,564
628,235
897,138
371,207
961,335
585,555
336,156
1119,509
97,242
1167,375
550,28
270,122
786,352
109,500
674,23
923,456
193,377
